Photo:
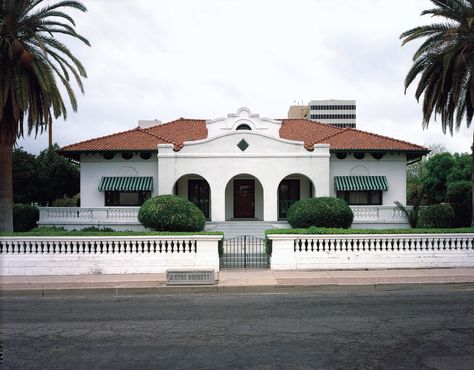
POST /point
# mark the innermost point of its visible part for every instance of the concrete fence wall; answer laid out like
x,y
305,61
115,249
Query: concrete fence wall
x,y
106,255
332,252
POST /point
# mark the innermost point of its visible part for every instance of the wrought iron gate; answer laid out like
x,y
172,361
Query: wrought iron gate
x,y
245,251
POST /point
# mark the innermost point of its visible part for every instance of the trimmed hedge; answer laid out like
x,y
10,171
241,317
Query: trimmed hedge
x,y
25,217
320,212
436,215
171,213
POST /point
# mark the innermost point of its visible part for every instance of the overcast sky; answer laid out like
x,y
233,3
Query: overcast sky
x,y
165,59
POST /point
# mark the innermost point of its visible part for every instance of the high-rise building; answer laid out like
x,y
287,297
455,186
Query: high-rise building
x,y
339,113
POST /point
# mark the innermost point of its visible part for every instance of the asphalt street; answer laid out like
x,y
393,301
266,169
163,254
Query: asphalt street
x,y
345,330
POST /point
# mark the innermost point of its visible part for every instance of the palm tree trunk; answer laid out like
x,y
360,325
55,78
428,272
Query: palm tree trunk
x,y
6,187
472,181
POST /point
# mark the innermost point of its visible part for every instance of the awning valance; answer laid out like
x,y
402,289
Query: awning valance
x,y
360,183
126,183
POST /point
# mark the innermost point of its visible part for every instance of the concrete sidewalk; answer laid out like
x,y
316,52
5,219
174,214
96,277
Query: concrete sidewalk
x,y
237,281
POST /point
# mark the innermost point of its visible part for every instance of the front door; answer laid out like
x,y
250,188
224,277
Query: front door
x,y
244,198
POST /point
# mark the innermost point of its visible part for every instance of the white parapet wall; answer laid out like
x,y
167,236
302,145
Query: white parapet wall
x,y
77,218
126,218
107,255
374,251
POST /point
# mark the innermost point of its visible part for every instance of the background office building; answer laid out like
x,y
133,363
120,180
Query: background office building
x,y
339,113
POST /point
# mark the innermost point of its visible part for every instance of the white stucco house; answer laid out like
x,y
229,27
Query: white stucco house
x,y
238,167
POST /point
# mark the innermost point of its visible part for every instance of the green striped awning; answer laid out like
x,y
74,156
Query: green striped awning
x,y
360,183
128,183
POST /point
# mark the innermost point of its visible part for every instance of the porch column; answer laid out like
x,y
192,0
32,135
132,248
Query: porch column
x,y
321,172
270,201
217,200
166,170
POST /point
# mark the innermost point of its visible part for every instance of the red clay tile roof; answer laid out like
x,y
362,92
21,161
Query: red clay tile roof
x,y
341,138
174,132
181,130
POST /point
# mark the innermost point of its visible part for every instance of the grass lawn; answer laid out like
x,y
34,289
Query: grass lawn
x,y
51,231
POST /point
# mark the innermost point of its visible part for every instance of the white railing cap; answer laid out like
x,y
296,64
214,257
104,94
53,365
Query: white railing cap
x,y
112,238
367,236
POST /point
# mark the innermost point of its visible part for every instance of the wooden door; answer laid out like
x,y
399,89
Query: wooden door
x,y
244,198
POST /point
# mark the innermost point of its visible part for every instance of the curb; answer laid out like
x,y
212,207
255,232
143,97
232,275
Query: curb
x,y
249,289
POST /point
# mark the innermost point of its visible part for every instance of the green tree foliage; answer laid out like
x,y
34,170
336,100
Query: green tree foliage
x,y
444,178
25,177
434,180
32,62
45,178
441,170
459,195
443,65
56,175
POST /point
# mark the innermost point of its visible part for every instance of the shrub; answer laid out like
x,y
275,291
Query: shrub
x,y
171,213
436,215
459,195
320,212
98,229
25,217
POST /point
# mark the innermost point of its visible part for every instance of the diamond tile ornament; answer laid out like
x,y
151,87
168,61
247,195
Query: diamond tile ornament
x,y
243,145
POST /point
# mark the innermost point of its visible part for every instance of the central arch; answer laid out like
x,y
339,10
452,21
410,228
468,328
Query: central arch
x,y
244,198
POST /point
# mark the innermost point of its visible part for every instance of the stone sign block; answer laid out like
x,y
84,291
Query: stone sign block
x,y
186,277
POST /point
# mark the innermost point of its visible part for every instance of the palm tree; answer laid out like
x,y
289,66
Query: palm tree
x,y
444,63
31,61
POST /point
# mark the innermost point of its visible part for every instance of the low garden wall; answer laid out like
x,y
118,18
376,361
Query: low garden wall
x,y
371,251
56,255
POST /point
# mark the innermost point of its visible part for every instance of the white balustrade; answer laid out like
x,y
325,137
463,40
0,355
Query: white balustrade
x,y
77,217
108,255
359,251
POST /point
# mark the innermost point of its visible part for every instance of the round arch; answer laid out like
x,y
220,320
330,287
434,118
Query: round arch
x,y
197,190
292,188
244,196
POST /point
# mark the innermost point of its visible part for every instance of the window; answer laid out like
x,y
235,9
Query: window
x,y
243,127
358,198
126,198
108,156
145,155
127,155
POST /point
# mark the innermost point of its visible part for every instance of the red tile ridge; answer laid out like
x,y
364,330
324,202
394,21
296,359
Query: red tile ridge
x,y
176,120
330,136
145,131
